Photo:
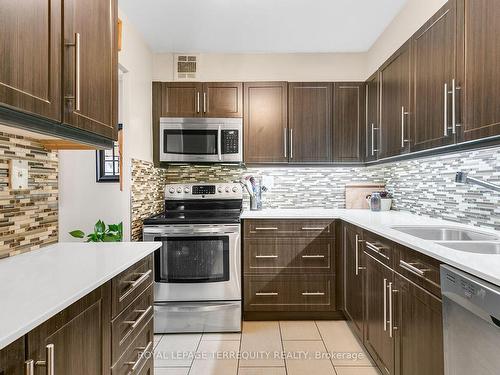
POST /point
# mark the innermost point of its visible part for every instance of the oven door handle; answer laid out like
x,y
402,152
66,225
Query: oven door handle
x,y
189,232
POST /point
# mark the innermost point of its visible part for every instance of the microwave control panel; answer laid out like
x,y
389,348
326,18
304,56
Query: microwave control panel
x,y
230,141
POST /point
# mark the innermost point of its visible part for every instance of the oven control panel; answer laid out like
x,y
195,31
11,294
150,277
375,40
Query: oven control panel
x,y
203,191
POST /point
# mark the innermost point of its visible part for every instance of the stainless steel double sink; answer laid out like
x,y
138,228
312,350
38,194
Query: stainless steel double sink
x,y
456,238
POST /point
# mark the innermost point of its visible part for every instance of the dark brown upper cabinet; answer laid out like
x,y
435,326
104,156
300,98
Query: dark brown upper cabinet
x,y
348,121
434,58
223,99
372,130
265,120
395,104
30,55
90,65
310,122
478,115
196,99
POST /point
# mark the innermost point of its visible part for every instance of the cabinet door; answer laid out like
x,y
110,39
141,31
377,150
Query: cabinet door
x,y
372,118
378,336
419,337
395,100
310,122
12,358
90,66
479,44
353,278
266,129
80,335
348,121
181,99
434,57
30,55
223,99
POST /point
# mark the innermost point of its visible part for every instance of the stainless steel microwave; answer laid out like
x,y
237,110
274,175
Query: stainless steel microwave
x,y
202,140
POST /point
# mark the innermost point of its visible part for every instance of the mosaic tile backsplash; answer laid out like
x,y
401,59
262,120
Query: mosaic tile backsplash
x,y
423,186
28,217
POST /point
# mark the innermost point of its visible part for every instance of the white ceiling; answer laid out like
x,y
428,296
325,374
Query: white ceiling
x,y
260,26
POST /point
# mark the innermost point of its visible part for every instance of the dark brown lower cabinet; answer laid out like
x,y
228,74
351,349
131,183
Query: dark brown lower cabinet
x,y
12,358
379,332
419,334
353,277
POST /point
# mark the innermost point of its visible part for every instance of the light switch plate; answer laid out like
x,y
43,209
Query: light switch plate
x,y
18,173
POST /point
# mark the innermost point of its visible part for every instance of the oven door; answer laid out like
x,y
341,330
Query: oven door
x,y
197,262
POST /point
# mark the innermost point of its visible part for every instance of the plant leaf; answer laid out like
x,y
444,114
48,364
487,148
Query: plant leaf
x,y
77,233
111,238
99,227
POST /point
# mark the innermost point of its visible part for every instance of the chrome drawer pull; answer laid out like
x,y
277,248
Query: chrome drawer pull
x,y
266,228
134,284
135,364
313,256
266,256
266,294
313,228
135,323
390,308
385,305
313,293
411,268
376,249
29,366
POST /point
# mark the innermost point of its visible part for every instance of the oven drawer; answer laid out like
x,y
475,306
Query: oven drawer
x,y
289,228
129,323
132,362
130,283
300,255
209,316
289,293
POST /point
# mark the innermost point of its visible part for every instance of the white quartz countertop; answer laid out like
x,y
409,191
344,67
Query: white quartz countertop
x,y
37,285
484,266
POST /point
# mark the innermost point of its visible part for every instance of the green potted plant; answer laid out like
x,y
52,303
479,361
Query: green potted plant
x,y
102,233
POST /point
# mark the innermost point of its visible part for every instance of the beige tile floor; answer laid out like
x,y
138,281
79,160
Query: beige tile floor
x,y
265,348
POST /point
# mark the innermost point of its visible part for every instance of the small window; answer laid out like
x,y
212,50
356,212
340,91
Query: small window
x,y
108,164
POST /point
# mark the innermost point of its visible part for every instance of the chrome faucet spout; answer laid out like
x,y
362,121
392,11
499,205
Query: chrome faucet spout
x,y
463,178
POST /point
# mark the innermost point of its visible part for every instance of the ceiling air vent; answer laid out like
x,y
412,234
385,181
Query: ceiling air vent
x,y
186,67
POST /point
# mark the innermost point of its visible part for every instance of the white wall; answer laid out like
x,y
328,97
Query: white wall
x,y
270,67
82,201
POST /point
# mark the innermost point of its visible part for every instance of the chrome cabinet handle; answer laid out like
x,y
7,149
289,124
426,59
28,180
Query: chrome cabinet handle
x,y
205,102
76,95
410,267
312,228
374,150
390,309
266,228
376,249
454,89
134,284
29,366
313,256
357,255
265,256
198,102
313,293
135,364
266,294
385,305
135,323
291,143
445,114
285,152
403,114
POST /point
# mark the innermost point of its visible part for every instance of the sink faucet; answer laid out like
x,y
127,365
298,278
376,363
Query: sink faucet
x,y
462,178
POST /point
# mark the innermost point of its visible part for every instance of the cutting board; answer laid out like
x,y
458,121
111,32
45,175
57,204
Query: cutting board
x,y
355,194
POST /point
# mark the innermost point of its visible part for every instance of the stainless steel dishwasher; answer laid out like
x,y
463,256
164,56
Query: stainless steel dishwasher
x,y
471,317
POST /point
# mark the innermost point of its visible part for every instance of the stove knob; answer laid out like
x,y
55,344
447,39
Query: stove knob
x,y
219,189
227,189
171,190
186,190
235,189
179,190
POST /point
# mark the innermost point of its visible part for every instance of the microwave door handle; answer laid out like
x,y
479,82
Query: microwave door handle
x,y
219,142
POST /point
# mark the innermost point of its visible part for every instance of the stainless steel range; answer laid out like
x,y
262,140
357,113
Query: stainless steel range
x,y
198,268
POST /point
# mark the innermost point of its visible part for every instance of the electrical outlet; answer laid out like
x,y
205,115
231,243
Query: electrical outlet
x,y
18,173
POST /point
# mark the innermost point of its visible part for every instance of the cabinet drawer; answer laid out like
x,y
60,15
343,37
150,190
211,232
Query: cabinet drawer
x,y
288,228
129,323
272,255
289,293
379,247
130,283
133,361
419,268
